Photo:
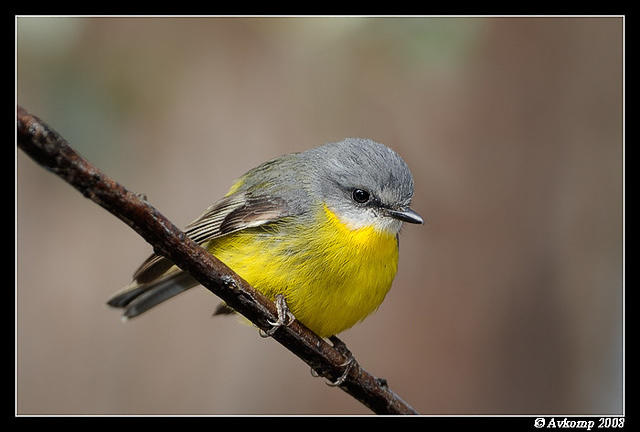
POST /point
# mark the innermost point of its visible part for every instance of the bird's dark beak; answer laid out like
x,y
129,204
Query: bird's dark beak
x,y
406,215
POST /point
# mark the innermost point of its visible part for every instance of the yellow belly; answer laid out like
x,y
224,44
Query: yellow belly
x,y
331,276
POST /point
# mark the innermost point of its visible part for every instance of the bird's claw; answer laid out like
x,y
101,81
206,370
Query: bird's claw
x,y
285,317
347,365
347,368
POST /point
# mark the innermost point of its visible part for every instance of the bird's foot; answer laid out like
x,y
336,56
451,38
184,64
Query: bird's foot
x,y
285,317
341,347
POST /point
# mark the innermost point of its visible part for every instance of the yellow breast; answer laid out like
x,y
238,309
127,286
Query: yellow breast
x,y
331,276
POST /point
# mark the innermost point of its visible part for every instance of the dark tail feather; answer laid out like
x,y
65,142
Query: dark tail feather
x,y
139,298
125,297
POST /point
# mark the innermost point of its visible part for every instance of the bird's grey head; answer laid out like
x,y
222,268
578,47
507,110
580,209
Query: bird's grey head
x,y
364,183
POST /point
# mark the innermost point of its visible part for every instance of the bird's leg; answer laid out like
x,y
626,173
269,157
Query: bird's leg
x,y
351,360
341,347
285,317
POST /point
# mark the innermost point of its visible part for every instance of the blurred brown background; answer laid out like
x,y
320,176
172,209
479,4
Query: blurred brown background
x,y
509,299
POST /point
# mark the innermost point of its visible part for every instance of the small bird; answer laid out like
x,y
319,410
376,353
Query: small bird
x,y
316,230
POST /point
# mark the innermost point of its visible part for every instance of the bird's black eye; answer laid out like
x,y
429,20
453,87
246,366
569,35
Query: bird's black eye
x,y
360,196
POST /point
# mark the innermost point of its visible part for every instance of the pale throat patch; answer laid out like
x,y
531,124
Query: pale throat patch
x,y
355,219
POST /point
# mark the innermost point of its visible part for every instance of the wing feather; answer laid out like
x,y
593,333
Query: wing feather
x,y
231,214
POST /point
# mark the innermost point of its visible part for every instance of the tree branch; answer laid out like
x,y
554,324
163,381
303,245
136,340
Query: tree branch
x,y
51,151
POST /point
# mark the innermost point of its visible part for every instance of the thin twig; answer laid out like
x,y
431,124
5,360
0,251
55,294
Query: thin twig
x,y
51,151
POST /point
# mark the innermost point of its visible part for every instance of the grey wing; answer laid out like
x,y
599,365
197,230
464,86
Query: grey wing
x,y
230,214
155,281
